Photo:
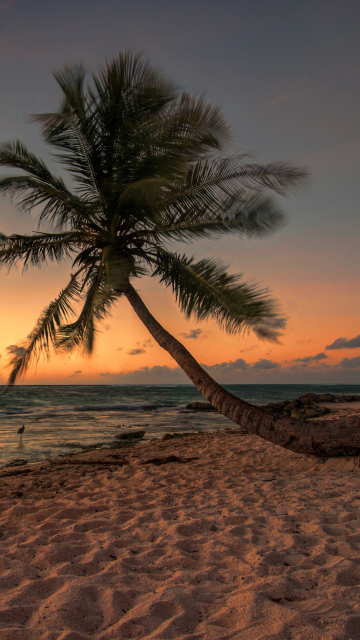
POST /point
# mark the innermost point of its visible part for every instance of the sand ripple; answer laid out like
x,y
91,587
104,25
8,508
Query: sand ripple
x,y
235,539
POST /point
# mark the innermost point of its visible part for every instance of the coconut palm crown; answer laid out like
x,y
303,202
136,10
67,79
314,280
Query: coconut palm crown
x,y
146,170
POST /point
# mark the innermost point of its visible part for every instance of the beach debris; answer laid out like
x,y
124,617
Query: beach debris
x,y
84,447
16,462
130,426
14,472
127,435
167,459
93,461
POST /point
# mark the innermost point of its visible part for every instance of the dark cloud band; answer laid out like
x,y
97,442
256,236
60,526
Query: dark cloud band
x,y
344,343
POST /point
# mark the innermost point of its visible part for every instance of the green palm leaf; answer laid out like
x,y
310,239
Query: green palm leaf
x,y
215,188
39,248
38,187
205,289
45,331
99,298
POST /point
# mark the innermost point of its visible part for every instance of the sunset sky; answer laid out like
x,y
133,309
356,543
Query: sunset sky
x,y
287,77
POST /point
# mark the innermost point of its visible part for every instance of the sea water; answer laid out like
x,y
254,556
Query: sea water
x,y
59,419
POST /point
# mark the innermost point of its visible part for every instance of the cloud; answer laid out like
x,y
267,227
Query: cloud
x,y
265,364
241,372
251,348
7,5
167,375
350,363
344,343
193,334
148,375
319,356
227,367
140,347
15,350
225,372
120,349
76,373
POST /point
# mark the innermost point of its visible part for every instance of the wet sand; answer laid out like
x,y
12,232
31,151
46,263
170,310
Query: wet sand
x,y
209,536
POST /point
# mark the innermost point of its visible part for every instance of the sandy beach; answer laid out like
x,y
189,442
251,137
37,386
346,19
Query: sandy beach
x,y
209,536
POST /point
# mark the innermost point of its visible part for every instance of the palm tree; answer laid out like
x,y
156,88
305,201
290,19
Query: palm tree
x,y
146,171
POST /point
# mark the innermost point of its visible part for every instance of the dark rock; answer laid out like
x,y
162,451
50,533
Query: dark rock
x,y
348,398
308,398
327,397
308,412
201,406
275,408
307,406
127,435
304,408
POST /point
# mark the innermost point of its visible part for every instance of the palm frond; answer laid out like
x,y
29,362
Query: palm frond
x,y
214,188
205,289
64,131
199,125
37,249
16,155
82,331
38,187
104,285
43,336
71,81
255,214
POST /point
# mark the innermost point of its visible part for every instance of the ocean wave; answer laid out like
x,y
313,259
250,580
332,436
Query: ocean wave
x,y
86,408
121,407
15,411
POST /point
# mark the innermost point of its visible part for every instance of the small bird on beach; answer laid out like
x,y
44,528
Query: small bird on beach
x,y
21,430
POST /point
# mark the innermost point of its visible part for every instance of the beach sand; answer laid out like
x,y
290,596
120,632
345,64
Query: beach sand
x,y
210,536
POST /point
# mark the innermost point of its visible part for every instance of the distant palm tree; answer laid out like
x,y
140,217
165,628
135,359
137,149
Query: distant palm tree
x,y
145,171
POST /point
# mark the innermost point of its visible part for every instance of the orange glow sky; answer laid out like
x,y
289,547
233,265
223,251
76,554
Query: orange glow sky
x,y
289,95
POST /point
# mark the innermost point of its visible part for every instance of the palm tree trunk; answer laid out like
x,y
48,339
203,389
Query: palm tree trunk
x,y
315,438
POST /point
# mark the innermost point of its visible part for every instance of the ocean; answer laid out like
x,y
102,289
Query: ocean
x,y
61,419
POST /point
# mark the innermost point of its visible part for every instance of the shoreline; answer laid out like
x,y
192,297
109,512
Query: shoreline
x,y
338,410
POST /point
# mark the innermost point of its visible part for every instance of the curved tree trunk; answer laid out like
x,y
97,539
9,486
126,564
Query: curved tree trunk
x,y
315,438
